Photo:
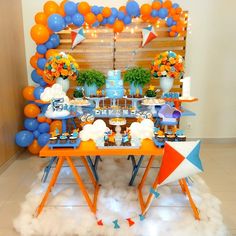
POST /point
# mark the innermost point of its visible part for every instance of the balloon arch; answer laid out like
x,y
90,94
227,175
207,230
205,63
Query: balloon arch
x,y
56,17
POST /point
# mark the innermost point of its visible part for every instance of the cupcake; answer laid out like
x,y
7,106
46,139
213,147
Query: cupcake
x,y
170,137
181,138
161,138
73,139
53,140
63,139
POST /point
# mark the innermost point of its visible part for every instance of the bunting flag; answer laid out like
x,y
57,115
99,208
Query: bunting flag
x,y
154,192
77,36
130,222
180,160
100,223
148,35
116,225
141,217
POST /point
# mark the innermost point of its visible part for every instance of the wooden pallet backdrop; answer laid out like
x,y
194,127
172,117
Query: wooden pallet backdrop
x,y
103,50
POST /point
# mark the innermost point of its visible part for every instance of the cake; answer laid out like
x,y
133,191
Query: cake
x,y
73,139
114,84
63,139
117,121
161,138
53,140
170,137
181,138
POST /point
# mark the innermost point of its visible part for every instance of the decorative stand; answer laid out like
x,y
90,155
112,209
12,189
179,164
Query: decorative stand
x,y
118,123
97,100
134,101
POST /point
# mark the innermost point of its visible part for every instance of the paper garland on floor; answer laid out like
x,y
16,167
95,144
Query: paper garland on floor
x,y
77,36
148,35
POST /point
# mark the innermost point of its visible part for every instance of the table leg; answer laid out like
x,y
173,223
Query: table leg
x,y
136,167
90,173
51,184
47,169
94,165
92,205
141,201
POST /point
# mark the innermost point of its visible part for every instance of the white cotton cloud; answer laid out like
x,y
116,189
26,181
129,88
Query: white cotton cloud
x,y
93,131
142,130
53,92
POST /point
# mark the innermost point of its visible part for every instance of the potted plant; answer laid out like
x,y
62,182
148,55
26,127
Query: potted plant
x,y
151,93
78,94
92,80
61,68
137,77
167,66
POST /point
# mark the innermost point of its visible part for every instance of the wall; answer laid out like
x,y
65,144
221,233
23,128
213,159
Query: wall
x,y
210,62
13,76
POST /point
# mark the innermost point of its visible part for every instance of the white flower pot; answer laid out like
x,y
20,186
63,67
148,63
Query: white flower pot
x,y
166,84
65,83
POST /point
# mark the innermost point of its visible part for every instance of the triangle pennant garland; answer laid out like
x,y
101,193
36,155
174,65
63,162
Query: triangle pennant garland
x,y
77,36
148,35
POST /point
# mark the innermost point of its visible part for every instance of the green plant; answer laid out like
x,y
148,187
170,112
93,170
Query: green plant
x,y
91,77
138,76
78,94
150,93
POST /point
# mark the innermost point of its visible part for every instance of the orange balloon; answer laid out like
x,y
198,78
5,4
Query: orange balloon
x,y
118,26
62,4
178,10
145,18
176,18
90,18
156,5
167,4
33,61
31,110
106,11
41,119
50,8
28,93
61,11
56,124
39,33
172,34
153,20
34,147
100,17
123,9
179,28
41,18
49,121
172,12
38,55
50,53
40,72
146,9
174,28
84,8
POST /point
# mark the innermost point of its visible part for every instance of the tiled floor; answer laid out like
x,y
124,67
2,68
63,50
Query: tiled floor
x,y
219,162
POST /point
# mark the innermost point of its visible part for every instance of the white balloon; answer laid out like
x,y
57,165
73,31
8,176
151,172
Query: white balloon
x,y
84,136
100,123
147,123
134,125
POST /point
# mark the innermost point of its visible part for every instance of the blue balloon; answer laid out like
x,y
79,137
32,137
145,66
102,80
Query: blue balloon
x,y
104,21
95,10
154,13
114,12
55,40
174,23
37,92
42,83
111,20
31,124
68,20
121,15
96,24
41,63
127,20
169,22
44,128
56,22
24,138
70,8
43,139
175,5
36,134
49,44
132,8
44,109
78,19
163,13
41,49
101,8
35,76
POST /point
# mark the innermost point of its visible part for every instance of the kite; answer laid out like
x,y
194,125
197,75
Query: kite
x,y
148,35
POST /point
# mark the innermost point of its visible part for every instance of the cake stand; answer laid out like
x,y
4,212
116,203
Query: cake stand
x,y
152,105
97,100
134,101
118,122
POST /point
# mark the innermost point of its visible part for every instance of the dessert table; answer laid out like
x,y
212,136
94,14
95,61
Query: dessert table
x,y
89,148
